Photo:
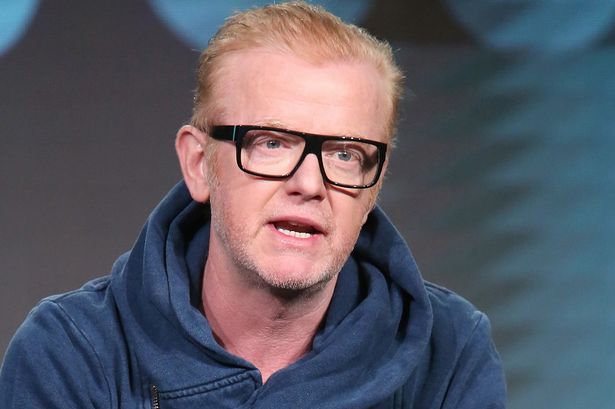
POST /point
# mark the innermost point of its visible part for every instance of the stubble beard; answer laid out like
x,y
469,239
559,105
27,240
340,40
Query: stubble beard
x,y
237,244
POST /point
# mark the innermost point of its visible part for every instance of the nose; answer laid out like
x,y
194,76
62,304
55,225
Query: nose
x,y
307,181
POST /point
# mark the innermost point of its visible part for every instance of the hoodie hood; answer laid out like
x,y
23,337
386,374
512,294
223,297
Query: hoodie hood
x,y
376,329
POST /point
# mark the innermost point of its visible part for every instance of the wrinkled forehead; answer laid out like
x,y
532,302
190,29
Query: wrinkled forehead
x,y
270,87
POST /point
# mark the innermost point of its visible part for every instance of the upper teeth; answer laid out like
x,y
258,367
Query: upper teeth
x,y
293,233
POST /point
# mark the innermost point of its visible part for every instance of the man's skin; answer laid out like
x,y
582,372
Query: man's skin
x,y
264,292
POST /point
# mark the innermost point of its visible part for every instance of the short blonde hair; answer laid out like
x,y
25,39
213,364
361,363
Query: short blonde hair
x,y
305,30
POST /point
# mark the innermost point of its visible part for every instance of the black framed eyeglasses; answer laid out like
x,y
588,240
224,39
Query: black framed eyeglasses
x,y
275,153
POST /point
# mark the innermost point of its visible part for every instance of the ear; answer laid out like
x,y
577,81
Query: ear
x,y
190,147
365,217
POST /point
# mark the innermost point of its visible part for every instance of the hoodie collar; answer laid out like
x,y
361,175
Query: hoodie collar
x,y
377,326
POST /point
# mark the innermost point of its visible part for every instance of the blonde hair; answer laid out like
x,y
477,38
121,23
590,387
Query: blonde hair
x,y
305,30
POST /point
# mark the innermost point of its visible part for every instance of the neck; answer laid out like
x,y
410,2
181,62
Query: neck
x,y
268,327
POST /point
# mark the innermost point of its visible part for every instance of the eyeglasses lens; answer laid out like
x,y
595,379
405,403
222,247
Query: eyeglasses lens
x,y
274,153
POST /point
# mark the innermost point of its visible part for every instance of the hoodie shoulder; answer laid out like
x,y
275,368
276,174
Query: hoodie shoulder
x,y
455,320
465,353
450,306
53,361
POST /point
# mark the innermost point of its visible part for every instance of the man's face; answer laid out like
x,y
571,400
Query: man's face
x,y
255,219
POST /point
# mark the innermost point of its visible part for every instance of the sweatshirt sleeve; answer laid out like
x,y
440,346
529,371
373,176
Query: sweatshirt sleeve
x,y
51,364
478,381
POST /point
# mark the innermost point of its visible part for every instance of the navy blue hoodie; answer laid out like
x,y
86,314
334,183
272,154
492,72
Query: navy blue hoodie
x,y
137,339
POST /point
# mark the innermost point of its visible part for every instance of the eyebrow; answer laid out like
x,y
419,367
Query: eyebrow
x,y
282,125
274,124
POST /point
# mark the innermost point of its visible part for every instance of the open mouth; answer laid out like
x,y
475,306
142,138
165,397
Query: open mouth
x,y
298,230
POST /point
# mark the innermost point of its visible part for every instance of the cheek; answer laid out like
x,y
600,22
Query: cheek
x,y
237,200
224,201
351,213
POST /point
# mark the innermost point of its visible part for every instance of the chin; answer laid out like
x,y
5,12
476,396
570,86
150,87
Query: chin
x,y
306,281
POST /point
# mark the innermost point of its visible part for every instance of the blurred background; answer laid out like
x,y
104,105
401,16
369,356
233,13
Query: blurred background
x,y
502,182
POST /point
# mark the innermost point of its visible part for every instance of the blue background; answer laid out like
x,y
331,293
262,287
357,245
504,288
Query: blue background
x,y
503,181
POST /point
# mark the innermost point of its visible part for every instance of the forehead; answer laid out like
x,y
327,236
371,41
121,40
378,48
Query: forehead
x,y
265,87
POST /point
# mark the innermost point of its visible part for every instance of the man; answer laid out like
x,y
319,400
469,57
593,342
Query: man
x,y
268,278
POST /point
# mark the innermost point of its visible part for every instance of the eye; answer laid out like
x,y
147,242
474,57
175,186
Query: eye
x,y
273,144
269,140
349,154
344,156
